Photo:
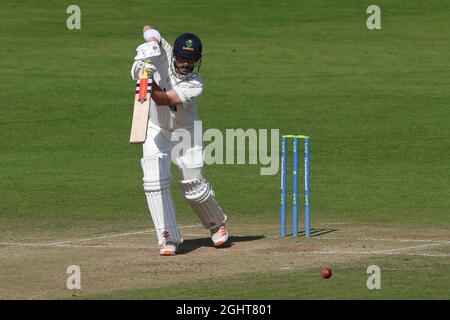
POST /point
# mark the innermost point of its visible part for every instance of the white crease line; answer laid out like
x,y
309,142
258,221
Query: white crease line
x,y
27,244
117,235
358,239
59,243
387,240
437,242
327,252
251,251
365,253
242,251
102,237
443,255
414,247
386,252
52,245
105,246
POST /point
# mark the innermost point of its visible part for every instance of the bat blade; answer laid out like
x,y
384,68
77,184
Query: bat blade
x,y
140,111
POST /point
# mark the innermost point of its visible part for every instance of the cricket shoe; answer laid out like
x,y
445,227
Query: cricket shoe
x,y
219,236
168,248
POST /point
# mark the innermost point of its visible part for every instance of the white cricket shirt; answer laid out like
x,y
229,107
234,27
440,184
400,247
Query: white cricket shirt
x,y
180,116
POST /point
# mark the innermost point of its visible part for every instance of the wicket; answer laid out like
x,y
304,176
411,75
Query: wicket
x,y
295,138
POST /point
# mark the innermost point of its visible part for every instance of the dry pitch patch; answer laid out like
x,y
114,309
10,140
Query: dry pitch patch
x,y
128,260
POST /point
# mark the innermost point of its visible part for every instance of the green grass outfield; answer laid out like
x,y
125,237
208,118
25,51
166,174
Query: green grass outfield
x,y
375,104
400,281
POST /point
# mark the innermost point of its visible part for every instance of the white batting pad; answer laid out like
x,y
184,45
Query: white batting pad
x,y
200,197
156,173
159,198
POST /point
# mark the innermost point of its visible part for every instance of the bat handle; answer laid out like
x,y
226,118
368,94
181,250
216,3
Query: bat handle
x,y
143,87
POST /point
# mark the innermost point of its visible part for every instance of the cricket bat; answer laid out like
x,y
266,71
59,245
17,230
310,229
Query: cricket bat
x,y
141,109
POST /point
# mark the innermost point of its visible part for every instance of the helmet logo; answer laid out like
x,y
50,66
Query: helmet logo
x,y
188,45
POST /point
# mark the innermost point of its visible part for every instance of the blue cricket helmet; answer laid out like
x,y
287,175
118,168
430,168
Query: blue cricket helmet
x,y
188,45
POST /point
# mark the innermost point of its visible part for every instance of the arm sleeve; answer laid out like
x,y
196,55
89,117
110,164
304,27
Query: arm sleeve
x,y
166,46
188,94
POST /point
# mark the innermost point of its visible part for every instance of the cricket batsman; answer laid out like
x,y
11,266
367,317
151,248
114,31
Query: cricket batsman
x,y
173,110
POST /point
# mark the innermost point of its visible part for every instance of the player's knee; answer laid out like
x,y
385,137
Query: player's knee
x,y
201,198
156,173
196,190
192,173
191,163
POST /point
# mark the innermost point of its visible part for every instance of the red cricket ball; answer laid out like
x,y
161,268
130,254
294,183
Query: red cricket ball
x,y
326,273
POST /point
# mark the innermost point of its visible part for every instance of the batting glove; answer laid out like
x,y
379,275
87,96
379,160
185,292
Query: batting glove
x,y
138,68
147,50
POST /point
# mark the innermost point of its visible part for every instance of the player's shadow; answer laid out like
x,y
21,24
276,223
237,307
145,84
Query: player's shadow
x,y
189,245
